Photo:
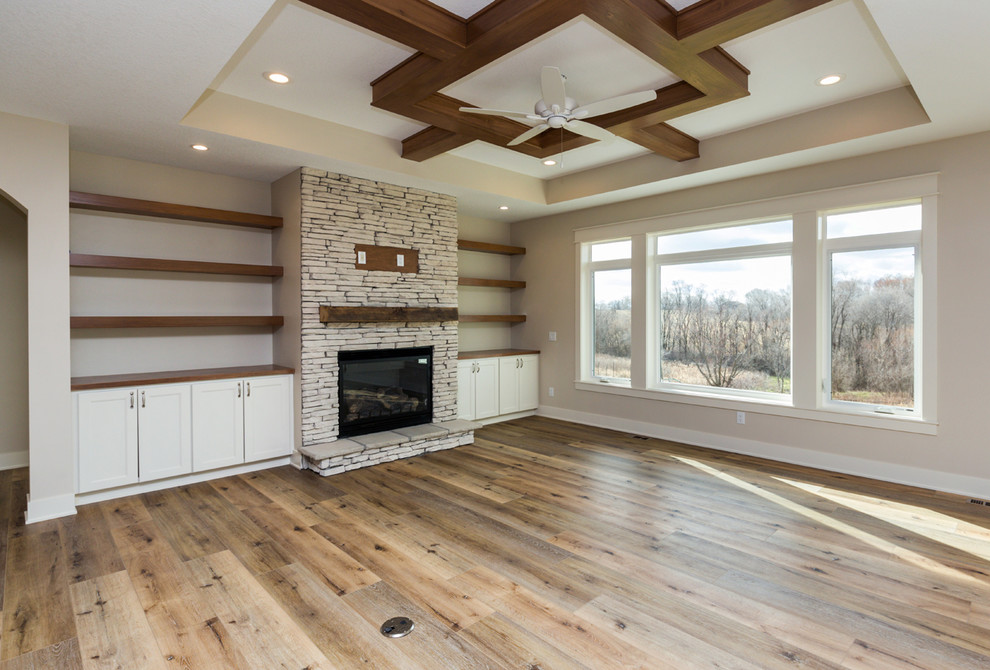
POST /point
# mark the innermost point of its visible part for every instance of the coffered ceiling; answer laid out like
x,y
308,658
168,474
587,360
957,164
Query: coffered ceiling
x,y
376,85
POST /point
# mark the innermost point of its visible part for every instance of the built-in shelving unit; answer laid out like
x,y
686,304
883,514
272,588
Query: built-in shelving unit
x,y
492,283
176,376
173,321
169,211
170,265
490,248
492,318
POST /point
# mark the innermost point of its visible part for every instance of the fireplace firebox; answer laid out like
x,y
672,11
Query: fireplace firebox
x,y
383,389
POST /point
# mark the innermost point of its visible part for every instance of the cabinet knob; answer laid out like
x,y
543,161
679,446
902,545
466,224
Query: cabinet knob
x,y
248,386
142,399
132,399
238,389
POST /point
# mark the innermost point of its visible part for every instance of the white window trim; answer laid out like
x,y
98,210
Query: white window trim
x,y
807,359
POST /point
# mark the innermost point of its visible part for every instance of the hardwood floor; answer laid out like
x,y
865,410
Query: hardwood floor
x,y
543,545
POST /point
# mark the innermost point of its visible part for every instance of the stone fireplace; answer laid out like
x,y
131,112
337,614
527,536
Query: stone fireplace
x,y
384,389
341,215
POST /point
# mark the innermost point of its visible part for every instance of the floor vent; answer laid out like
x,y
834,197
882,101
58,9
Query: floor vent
x,y
977,501
399,626
640,437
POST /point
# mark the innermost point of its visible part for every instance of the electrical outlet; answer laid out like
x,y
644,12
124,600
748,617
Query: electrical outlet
x,y
400,260
550,391
741,417
362,258
553,335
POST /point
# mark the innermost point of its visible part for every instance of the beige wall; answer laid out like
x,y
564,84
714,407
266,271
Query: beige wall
x,y
954,459
34,172
115,292
13,336
286,251
479,300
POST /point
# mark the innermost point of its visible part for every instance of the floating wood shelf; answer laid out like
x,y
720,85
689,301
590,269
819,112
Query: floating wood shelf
x,y
109,203
167,265
489,248
491,318
173,321
495,283
176,376
330,314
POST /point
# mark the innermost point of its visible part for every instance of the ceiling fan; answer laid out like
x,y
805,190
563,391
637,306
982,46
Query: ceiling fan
x,y
556,110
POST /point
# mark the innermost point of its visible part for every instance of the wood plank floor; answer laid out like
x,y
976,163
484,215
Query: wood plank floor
x,y
544,545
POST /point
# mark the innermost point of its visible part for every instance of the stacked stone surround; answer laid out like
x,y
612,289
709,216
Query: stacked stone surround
x,y
338,212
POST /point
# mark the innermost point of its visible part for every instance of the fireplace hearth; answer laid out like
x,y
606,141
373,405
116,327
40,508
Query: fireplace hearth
x,y
384,389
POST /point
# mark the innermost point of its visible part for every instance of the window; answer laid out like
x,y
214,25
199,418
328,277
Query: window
x,y
724,308
816,306
872,264
611,310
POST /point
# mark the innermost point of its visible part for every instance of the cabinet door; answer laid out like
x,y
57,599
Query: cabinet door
x,y
164,431
465,389
508,384
529,382
106,431
268,412
218,424
486,388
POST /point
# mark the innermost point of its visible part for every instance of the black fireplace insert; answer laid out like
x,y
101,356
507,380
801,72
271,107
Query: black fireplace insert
x,y
383,389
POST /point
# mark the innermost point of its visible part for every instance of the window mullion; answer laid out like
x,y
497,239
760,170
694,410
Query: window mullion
x,y
639,337
806,339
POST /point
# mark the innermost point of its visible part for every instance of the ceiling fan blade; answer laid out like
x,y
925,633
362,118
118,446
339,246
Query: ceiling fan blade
x,y
532,132
499,112
552,86
614,104
588,130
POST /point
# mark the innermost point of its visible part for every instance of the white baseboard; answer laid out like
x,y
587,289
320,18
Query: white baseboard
x,y
182,480
852,465
504,417
43,509
14,459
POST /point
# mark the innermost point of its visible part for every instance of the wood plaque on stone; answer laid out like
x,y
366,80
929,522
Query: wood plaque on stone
x,y
389,259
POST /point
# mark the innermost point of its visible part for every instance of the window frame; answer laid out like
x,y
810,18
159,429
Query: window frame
x,y
809,333
721,254
873,242
587,310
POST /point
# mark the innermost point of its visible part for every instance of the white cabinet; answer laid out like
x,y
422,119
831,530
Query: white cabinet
x,y
130,435
477,388
139,434
241,420
489,387
106,431
218,424
267,417
164,431
518,383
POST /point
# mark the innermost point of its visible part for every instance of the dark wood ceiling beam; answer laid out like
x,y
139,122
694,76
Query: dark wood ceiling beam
x,y
409,83
418,24
431,142
666,141
707,24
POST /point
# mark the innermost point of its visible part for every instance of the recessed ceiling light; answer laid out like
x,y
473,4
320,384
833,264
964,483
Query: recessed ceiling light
x,y
277,77
830,79
503,207
200,147
549,161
